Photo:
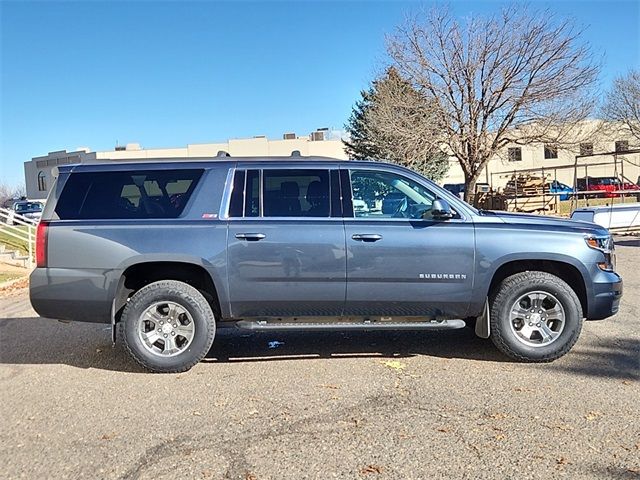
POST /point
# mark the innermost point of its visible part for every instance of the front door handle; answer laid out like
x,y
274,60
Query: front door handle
x,y
251,237
366,237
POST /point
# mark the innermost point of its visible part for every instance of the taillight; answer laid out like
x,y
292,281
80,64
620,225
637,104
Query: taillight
x,y
41,244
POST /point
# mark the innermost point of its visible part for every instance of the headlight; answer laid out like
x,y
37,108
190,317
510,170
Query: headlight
x,y
603,243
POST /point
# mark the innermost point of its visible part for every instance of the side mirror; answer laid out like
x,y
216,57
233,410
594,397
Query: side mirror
x,y
441,210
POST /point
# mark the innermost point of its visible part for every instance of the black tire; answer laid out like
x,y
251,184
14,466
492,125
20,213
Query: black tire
x,y
190,300
510,290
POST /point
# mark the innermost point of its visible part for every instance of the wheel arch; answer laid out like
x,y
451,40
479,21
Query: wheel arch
x,y
142,273
561,268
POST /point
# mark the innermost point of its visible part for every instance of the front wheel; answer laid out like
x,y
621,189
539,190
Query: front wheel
x,y
167,326
535,317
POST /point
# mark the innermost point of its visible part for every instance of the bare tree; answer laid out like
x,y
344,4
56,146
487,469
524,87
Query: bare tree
x,y
395,122
622,103
5,193
517,77
8,192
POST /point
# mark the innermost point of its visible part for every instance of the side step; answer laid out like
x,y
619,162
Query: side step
x,y
297,326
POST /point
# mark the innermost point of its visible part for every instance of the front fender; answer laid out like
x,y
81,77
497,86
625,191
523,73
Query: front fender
x,y
487,270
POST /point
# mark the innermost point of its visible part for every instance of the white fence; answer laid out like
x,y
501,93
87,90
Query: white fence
x,y
19,228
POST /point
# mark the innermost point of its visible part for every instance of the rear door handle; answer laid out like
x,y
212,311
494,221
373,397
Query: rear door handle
x,y
366,237
251,237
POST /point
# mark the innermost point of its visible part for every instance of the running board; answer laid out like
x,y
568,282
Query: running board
x,y
435,325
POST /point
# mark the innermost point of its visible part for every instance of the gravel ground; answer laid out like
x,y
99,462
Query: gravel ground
x,y
357,405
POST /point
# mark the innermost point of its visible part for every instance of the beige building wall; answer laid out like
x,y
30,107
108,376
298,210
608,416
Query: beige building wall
x,y
497,172
500,169
38,169
244,147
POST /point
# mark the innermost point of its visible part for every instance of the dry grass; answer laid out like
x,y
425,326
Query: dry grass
x,y
7,276
12,243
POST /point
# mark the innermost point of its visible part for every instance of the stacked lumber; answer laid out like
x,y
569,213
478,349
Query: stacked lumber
x,y
526,186
530,204
490,201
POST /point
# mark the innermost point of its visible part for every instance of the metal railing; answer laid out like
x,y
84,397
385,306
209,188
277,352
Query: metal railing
x,y
19,228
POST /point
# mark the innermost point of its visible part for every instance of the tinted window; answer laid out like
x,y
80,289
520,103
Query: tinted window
x,y
139,194
252,194
28,207
388,195
296,193
237,194
245,197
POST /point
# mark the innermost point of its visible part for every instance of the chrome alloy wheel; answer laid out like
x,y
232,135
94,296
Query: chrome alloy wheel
x,y
537,318
166,329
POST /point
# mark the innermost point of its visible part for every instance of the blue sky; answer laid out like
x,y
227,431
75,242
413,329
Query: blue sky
x,y
165,74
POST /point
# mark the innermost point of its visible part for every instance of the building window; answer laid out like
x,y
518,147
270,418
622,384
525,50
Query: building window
x,y
42,182
586,149
515,154
550,151
622,145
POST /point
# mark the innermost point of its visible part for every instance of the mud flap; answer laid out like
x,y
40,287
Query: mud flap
x,y
482,322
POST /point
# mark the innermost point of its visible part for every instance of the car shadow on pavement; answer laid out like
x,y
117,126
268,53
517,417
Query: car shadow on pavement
x,y
84,345
36,340
606,358
28,341
611,472
233,345
628,242
610,358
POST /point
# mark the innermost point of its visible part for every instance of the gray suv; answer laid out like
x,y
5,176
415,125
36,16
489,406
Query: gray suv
x,y
168,252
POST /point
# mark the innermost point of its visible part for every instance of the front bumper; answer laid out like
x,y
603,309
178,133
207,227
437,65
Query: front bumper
x,y
607,293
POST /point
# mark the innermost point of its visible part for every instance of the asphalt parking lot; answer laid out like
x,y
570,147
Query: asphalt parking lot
x,y
331,405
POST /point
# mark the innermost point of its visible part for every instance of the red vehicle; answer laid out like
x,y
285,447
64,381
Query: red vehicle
x,y
609,186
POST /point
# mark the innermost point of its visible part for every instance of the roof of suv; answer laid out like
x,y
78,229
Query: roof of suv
x,y
195,162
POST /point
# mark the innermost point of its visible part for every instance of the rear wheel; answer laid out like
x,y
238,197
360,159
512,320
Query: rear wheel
x,y
167,326
535,317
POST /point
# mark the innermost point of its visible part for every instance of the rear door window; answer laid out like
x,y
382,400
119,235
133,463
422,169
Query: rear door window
x,y
285,193
245,196
296,193
122,195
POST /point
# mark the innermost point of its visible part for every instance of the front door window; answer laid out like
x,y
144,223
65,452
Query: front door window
x,y
388,195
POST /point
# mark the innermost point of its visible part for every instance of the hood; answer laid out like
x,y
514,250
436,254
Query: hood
x,y
541,221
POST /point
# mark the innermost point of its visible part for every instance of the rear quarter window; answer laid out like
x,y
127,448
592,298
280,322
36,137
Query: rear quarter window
x,y
122,195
